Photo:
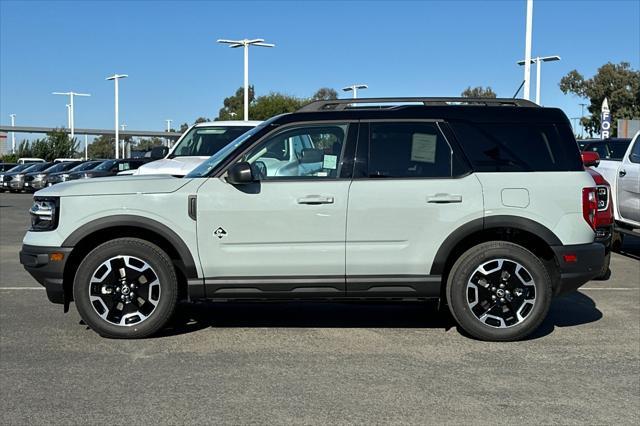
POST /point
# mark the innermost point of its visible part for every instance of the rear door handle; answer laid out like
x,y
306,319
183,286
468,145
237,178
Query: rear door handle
x,y
444,198
315,200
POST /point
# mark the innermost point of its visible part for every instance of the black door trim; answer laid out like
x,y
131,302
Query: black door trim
x,y
319,286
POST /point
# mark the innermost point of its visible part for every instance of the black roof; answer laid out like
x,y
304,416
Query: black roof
x,y
450,109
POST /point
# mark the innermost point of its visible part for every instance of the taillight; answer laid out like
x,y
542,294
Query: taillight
x,y
590,206
602,193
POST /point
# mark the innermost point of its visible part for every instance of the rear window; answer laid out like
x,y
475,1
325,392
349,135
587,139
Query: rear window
x,y
518,147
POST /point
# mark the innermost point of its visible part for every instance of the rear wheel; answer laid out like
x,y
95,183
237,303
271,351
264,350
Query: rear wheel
x,y
499,291
126,288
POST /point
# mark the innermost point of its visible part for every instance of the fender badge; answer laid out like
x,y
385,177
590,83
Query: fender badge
x,y
220,232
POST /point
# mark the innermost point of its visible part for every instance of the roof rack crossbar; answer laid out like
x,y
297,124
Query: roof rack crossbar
x,y
341,104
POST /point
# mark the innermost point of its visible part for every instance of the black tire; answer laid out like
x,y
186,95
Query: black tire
x,y
161,267
605,272
617,239
458,293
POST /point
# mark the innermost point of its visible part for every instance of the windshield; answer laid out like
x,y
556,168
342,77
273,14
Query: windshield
x,y
60,167
209,164
18,168
85,166
206,141
36,167
609,150
107,165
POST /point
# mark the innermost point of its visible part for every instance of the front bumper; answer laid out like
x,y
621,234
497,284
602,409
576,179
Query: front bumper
x,y
589,259
15,185
35,184
37,261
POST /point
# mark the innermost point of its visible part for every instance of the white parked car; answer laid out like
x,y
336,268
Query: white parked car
x,y
623,173
197,144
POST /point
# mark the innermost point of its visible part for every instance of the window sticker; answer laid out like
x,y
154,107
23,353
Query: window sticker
x,y
330,162
423,147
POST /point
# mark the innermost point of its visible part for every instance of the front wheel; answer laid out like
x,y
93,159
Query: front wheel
x,y
126,288
499,291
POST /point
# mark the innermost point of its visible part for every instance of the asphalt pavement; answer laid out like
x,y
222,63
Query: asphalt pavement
x,y
316,363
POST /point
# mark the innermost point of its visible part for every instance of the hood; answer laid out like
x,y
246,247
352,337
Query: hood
x,y
115,185
178,166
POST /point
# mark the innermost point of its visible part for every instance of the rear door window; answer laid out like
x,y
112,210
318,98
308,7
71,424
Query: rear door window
x,y
408,150
517,147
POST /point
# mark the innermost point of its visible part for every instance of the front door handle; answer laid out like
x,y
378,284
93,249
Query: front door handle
x,y
316,199
444,198
622,173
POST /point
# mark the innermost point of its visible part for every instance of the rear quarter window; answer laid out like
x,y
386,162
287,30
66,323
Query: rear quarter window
x,y
518,147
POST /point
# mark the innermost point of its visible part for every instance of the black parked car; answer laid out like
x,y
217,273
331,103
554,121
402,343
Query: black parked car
x,y
607,149
109,168
14,180
38,180
5,167
63,176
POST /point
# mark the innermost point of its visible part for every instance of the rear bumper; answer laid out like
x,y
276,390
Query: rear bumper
x,y
36,261
589,259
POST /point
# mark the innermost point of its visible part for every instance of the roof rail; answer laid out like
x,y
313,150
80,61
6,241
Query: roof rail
x,y
341,104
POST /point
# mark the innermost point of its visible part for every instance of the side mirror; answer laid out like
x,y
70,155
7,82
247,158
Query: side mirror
x,y
590,158
240,174
158,152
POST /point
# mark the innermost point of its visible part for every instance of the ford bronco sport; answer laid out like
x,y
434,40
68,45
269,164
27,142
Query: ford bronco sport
x,y
481,203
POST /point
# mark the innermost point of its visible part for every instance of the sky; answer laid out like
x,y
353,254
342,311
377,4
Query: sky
x,y
177,70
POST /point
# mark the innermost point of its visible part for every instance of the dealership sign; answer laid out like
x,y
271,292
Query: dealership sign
x,y
605,121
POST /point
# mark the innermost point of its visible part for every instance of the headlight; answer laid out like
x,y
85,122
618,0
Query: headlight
x,y
41,176
44,214
64,177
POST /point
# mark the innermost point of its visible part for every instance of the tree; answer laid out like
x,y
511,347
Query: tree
x,y
273,104
102,147
233,108
619,83
325,94
184,127
201,120
478,92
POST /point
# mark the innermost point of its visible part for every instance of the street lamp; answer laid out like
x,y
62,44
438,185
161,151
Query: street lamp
x,y
115,79
70,118
354,88
13,134
245,44
527,51
538,61
168,142
124,142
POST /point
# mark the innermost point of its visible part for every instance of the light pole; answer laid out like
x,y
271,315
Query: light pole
x,y
354,88
246,43
13,134
86,149
124,142
581,117
168,130
70,106
538,61
68,116
115,79
527,51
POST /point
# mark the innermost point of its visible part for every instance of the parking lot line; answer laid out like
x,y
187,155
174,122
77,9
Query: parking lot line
x,y
21,288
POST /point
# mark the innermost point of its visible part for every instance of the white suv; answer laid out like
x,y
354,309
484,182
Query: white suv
x,y
481,203
198,143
